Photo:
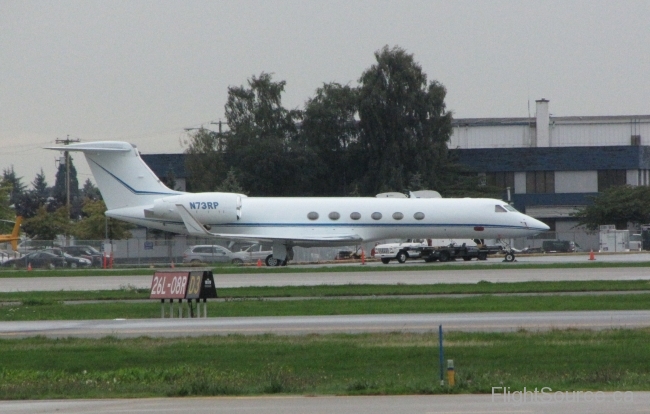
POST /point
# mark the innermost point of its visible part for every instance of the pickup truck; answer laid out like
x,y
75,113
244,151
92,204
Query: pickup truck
x,y
399,251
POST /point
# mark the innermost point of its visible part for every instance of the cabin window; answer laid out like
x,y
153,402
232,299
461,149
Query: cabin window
x,y
418,216
398,216
500,209
376,215
312,216
334,215
355,216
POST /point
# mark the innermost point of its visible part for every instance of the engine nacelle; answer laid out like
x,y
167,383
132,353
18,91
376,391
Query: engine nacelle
x,y
207,208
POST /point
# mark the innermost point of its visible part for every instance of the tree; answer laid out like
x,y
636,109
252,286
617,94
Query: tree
x,y
617,205
15,185
230,184
90,191
6,212
94,226
40,186
59,192
261,138
329,127
204,162
404,124
45,225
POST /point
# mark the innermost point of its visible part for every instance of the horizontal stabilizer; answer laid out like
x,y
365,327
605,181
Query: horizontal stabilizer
x,y
98,146
195,228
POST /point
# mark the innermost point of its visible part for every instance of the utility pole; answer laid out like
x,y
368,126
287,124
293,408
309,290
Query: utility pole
x,y
67,141
66,154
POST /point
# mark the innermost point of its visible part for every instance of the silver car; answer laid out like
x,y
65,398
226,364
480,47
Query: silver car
x,y
207,254
252,254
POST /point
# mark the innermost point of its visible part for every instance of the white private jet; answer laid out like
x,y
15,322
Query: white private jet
x,y
134,194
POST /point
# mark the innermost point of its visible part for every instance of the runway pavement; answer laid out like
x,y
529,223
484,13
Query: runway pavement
x,y
554,401
302,325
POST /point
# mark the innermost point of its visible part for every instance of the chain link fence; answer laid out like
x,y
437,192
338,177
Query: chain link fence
x,y
145,252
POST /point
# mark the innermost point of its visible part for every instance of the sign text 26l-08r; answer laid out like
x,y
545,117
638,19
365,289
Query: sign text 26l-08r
x,y
169,285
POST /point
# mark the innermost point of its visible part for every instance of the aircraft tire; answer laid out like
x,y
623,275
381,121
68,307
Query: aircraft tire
x,y
510,257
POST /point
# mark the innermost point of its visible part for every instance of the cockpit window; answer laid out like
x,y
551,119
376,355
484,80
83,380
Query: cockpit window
x,y
500,209
509,207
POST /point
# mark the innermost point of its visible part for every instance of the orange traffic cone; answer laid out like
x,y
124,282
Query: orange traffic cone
x,y
592,256
259,262
363,257
29,267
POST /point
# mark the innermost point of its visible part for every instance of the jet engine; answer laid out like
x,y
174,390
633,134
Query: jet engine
x,y
207,208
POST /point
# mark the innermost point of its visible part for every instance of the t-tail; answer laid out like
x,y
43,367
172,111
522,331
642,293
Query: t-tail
x,y
122,177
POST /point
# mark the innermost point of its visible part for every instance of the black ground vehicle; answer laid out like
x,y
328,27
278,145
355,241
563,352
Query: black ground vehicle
x,y
453,252
87,252
70,261
41,259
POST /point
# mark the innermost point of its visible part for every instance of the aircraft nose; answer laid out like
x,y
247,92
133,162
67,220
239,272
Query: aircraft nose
x,y
538,225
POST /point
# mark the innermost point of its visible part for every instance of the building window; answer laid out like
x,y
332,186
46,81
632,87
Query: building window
x,y
540,182
611,178
502,180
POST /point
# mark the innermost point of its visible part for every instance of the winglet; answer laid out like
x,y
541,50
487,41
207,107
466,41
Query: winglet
x,y
194,228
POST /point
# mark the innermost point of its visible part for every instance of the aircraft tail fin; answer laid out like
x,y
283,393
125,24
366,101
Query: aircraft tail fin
x,y
123,178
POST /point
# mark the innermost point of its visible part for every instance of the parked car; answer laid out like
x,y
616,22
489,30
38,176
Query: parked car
x,y
87,252
37,259
251,254
70,261
208,254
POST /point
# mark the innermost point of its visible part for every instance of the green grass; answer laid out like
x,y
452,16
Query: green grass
x,y
229,269
130,292
39,368
48,310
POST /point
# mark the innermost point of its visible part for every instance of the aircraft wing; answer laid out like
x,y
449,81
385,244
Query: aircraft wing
x,y
195,228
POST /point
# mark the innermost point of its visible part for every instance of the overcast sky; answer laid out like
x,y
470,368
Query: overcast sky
x,y
142,71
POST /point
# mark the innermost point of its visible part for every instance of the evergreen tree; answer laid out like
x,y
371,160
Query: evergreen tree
x,y
90,191
17,188
59,191
40,186
230,184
